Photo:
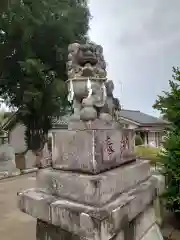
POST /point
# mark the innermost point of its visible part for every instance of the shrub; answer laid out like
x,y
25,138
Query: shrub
x,y
148,153
138,140
169,105
171,170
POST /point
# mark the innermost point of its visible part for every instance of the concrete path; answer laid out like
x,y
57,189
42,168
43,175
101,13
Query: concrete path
x,y
15,225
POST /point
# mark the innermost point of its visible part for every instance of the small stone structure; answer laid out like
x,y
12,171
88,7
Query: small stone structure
x,y
7,161
96,189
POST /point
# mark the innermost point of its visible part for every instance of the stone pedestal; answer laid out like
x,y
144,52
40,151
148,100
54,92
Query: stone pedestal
x,y
92,150
96,189
144,228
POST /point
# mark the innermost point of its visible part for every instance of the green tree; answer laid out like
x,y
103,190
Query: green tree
x,y
34,38
138,140
4,4
169,105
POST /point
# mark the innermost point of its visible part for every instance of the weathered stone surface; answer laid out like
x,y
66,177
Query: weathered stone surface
x,y
153,234
143,222
85,60
84,220
159,210
93,125
161,186
158,202
92,151
140,198
119,236
93,189
36,204
141,227
45,231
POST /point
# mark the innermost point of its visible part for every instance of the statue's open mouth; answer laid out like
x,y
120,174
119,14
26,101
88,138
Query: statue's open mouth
x,y
87,59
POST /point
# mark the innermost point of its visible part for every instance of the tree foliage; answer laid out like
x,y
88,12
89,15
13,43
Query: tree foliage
x,y
138,140
34,38
169,105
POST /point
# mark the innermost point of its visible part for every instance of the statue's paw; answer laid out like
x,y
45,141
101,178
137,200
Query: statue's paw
x,y
88,114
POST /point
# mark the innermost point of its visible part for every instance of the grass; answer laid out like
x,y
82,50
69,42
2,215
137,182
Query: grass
x,y
148,153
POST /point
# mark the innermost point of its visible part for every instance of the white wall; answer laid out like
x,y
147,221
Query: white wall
x,y
151,137
154,138
132,126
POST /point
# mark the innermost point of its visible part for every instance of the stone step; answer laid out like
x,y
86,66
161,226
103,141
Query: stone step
x,y
84,220
93,189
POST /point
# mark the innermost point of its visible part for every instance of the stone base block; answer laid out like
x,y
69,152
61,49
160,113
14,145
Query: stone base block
x,y
88,222
45,231
95,190
141,228
154,233
161,185
143,222
92,151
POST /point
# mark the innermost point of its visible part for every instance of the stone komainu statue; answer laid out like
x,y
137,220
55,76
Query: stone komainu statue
x,y
91,93
86,61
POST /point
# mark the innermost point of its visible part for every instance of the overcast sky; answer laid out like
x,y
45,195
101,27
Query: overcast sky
x,y
141,41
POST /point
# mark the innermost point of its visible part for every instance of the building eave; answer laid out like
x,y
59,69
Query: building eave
x,y
158,124
129,120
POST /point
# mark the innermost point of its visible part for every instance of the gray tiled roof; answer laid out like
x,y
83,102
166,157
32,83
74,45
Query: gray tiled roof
x,y
133,115
140,117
